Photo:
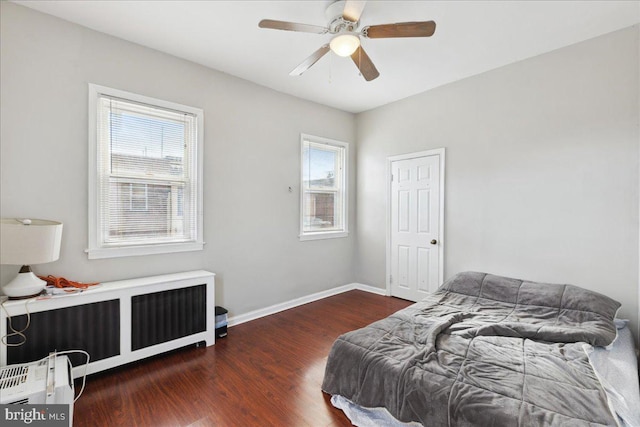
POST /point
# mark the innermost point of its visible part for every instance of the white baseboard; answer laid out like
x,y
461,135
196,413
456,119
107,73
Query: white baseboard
x,y
369,288
256,314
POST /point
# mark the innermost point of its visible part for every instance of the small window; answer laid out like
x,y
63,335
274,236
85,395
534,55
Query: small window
x,y
323,189
145,169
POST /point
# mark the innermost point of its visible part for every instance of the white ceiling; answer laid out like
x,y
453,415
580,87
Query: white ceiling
x,y
471,37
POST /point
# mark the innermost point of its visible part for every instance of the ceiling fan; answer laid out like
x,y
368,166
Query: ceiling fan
x,y
344,20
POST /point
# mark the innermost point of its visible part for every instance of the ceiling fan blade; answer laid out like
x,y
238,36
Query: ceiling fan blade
x,y
291,26
353,9
402,29
364,64
307,63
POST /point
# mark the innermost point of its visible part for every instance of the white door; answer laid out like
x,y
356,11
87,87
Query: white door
x,y
415,247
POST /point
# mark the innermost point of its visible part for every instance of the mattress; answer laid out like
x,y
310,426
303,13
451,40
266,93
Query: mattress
x,y
482,350
615,365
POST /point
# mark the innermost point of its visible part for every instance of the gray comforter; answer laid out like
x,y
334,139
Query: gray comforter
x,y
484,350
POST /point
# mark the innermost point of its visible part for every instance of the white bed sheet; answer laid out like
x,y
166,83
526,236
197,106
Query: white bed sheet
x,y
616,367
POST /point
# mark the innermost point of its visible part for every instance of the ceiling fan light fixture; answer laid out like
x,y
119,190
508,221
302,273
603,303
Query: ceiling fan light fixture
x,y
344,44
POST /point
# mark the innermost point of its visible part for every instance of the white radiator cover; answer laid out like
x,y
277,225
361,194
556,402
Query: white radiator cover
x,y
123,291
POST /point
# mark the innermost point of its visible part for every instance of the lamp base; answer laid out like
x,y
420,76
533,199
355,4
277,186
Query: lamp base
x,y
24,285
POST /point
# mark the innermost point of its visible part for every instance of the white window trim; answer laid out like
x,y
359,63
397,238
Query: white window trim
x,y
319,235
94,250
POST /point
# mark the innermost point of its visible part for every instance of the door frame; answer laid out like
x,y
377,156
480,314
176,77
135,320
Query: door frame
x,y
434,152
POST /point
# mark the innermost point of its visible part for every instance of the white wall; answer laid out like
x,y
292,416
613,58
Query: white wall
x,y
541,173
542,165
251,150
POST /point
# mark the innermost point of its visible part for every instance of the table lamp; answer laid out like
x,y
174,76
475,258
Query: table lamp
x,y
24,242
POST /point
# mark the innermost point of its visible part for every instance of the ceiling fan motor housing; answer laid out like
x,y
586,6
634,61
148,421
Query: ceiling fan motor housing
x,y
337,23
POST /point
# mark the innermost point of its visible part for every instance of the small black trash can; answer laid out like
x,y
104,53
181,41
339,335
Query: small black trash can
x,y
221,321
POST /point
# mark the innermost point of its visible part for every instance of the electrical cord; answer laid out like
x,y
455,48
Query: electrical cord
x,y
20,333
15,332
84,374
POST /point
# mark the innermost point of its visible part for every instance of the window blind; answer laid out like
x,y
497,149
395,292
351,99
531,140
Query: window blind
x,y
147,174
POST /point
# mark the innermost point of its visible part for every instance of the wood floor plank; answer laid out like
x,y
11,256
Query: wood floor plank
x,y
267,372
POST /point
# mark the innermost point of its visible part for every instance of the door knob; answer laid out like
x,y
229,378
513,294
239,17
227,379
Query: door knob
x,y
434,241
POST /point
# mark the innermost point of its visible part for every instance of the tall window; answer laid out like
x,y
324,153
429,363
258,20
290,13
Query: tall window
x,y
146,168
323,197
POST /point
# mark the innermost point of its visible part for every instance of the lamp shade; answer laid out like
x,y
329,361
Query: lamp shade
x,y
24,241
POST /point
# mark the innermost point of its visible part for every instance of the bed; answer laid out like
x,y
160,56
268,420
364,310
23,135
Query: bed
x,y
488,350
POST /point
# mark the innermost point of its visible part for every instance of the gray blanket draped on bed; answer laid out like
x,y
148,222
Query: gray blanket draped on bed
x,y
483,350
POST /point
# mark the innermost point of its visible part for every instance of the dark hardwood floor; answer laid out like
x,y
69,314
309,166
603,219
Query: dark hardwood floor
x,y
266,372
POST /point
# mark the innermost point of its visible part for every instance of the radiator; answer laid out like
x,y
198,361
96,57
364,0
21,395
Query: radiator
x,y
94,328
165,316
116,323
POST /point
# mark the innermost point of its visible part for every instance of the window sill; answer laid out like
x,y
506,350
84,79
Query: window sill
x,y
123,251
323,235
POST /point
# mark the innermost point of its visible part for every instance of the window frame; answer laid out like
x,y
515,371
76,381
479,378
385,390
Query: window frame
x,y
96,249
329,234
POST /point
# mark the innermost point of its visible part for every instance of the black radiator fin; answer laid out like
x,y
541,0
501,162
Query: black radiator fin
x,y
164,316
94,328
